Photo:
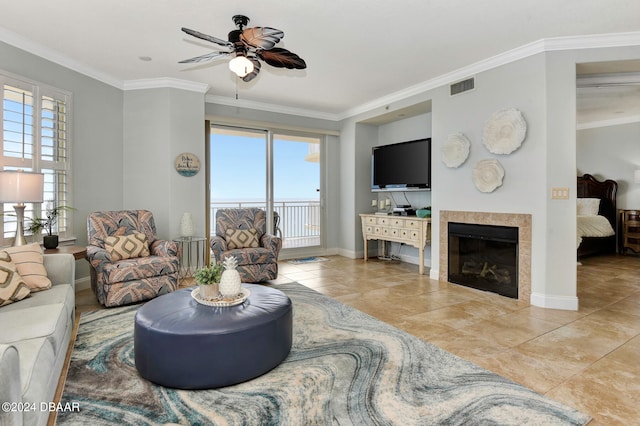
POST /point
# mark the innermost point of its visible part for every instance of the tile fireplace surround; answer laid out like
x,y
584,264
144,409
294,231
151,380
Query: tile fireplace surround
x,y
520,221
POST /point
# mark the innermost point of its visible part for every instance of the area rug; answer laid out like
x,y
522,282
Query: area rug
x,y
345,368
312,259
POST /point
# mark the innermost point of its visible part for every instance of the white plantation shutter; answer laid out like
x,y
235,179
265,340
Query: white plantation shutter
x,y
36,137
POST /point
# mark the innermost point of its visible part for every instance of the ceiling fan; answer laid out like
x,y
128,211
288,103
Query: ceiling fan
x,y
248,46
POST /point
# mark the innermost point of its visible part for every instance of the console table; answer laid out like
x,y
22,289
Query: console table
x,y
410,230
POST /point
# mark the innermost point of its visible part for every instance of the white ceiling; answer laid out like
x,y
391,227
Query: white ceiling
x,y
357,51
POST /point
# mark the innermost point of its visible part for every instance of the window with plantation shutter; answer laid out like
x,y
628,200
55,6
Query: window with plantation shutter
x,y
35,122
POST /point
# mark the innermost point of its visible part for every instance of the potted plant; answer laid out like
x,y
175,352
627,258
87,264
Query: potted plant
x,y
47,223
208,279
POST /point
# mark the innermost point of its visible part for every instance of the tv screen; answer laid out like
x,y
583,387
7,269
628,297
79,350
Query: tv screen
x,y
402,166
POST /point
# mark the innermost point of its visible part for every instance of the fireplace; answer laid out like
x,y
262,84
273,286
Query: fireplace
x,y
484,257
515,220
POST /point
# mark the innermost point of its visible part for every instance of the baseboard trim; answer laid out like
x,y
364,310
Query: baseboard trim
x,y
83,284
567,303
434,274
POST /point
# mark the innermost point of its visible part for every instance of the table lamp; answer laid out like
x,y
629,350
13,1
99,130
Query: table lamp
x,y
17,186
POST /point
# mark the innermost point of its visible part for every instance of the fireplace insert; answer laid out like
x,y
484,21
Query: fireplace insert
x,y
484,257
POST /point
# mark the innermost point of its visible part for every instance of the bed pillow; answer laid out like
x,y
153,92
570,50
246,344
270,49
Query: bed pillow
x,y
588,206
127,246
30,263
12,286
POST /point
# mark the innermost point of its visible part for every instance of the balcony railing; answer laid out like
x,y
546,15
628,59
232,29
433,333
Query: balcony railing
x,y
297,222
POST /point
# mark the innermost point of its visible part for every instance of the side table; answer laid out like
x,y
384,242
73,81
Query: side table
x,y
193,252
78,252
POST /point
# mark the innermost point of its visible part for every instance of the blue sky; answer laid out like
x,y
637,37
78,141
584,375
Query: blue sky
x,y
238,169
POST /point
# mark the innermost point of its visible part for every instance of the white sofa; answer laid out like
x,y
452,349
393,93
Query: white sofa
x,y
34,337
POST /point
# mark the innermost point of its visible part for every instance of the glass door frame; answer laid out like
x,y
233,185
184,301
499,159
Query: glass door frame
x,y
270,134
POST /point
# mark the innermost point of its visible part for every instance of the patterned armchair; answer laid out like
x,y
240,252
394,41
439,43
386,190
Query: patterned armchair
x,y
124,269
241,233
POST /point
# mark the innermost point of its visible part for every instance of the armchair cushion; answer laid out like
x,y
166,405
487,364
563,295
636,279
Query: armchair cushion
x,y
30,264
136,269
242,238
12,286
127,246
251,256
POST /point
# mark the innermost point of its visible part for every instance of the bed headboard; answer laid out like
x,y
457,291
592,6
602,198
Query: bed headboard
x,y
590,187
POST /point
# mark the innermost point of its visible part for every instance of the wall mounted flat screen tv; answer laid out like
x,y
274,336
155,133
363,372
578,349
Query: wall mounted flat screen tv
x,y
404,166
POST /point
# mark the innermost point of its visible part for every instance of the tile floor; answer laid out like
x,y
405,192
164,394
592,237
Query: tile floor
x,y
587,359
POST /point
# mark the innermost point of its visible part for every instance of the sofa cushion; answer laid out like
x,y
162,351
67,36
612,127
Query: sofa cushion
x,y
242,238
49,321
59,293
30,264
12,286
37,362
127,246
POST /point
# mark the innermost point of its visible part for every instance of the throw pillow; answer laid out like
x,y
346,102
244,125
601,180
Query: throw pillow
x,y
587,206
127,246
242,238
12,286
30,264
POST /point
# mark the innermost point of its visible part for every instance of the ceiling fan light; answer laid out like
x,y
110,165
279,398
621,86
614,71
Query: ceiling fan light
x,y
241,66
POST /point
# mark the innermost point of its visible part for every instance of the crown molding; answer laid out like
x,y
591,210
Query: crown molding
x,y
608,80
544,45
56,57
521,52
612,122
174,83
262,106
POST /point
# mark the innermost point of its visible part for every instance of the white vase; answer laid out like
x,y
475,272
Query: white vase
x,y
209,291
186,225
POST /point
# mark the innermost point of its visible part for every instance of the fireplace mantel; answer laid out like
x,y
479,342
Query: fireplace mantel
x,y
520,221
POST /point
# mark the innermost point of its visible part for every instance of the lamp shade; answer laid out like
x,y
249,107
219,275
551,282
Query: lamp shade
x,y
21,187
241,65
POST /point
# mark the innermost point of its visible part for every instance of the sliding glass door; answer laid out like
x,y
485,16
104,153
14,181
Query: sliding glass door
x,y
277,171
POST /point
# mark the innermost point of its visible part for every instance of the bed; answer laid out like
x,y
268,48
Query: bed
x,y
597,215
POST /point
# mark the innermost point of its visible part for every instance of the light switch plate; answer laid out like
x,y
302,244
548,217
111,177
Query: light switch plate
x,y
559,193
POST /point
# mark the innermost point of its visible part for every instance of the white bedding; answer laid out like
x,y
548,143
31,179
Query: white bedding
x,y
593,226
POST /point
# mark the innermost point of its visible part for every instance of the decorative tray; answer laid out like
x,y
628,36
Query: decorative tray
x,y
221,302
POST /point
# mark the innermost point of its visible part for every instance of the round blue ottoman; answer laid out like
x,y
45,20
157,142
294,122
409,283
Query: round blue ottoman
x,y
180,343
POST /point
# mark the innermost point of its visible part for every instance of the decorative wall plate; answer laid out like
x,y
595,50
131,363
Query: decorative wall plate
x,y
505,131
187,164
488,175
455,150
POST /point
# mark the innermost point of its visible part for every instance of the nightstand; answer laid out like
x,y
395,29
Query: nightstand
x,y
629,230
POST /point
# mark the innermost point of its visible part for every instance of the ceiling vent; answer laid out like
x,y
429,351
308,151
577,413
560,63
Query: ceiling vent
x,y
462,86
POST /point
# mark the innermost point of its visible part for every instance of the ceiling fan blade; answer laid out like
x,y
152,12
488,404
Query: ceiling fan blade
x,y
261,37
282,58
206,37
204,58
256,69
